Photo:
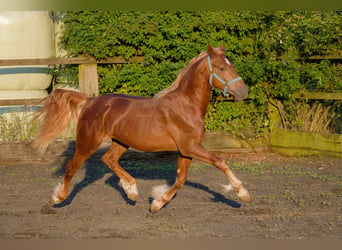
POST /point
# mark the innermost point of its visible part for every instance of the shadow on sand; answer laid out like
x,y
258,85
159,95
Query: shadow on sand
x,y
141,165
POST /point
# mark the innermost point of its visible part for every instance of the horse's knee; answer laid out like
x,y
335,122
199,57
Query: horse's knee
x,y
109,159
105,159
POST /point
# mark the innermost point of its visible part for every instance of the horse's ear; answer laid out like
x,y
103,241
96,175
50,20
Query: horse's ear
x,y
210,50
222,47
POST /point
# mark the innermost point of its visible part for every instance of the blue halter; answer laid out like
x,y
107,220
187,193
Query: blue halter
x,y
225,84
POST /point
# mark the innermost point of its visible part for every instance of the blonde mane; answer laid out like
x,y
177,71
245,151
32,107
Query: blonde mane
x,y
180,76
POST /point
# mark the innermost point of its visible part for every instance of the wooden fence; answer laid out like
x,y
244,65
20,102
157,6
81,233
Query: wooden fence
x,y
88,80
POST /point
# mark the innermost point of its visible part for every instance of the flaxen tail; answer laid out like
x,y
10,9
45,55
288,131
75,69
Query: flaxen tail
x,y
56,114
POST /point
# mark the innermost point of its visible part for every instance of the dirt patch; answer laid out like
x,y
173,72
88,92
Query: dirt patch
x,y
293,198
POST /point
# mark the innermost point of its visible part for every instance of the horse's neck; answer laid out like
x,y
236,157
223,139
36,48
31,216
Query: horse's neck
x,y
195,88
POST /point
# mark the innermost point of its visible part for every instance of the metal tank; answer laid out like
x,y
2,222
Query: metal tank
x,y
25,35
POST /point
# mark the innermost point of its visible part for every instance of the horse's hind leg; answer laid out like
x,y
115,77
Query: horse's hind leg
x,y
61,190
163,194
85,146
111,159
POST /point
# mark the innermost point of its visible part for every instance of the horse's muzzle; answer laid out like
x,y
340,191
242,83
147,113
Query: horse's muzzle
x,y
239,90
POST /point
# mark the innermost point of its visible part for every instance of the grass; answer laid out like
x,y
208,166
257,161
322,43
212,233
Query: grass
x,y
19,126
315,117
251,169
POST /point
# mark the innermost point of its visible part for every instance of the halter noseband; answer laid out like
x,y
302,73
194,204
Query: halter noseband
x,y
225,84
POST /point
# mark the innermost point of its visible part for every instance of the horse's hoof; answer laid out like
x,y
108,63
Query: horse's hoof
x,y
156,206
54,200
244,195
247,199
132,196
130,190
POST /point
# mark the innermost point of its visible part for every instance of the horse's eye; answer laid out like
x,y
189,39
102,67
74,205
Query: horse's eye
x,y
222,68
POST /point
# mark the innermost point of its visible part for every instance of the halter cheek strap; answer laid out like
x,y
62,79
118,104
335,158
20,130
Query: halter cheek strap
x,y
225,84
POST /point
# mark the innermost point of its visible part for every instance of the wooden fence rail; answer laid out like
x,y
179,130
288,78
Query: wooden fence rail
x,y
318,95
88,80
68,61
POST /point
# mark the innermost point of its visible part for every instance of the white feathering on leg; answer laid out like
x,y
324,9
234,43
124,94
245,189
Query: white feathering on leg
x,y
123,184
56,190
227,188
158,191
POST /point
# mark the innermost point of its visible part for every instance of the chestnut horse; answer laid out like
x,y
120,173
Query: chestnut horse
x,y
172,120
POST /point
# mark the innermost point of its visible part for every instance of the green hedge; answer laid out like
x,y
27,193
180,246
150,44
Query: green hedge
x,y
263,46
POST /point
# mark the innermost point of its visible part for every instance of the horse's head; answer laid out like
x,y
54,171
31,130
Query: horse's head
x,y
223,76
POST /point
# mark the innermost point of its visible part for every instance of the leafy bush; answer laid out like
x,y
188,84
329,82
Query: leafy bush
x,y
264,47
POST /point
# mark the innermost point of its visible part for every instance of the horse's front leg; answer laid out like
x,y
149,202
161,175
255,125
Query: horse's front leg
x,y
163,194
195,151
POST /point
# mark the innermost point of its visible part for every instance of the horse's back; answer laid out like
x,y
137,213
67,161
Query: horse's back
x,y
138,122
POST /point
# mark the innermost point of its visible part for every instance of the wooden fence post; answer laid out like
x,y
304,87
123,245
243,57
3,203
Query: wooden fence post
x,y
88,79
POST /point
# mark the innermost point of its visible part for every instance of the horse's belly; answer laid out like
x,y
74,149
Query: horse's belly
x,y
149,143
145,135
